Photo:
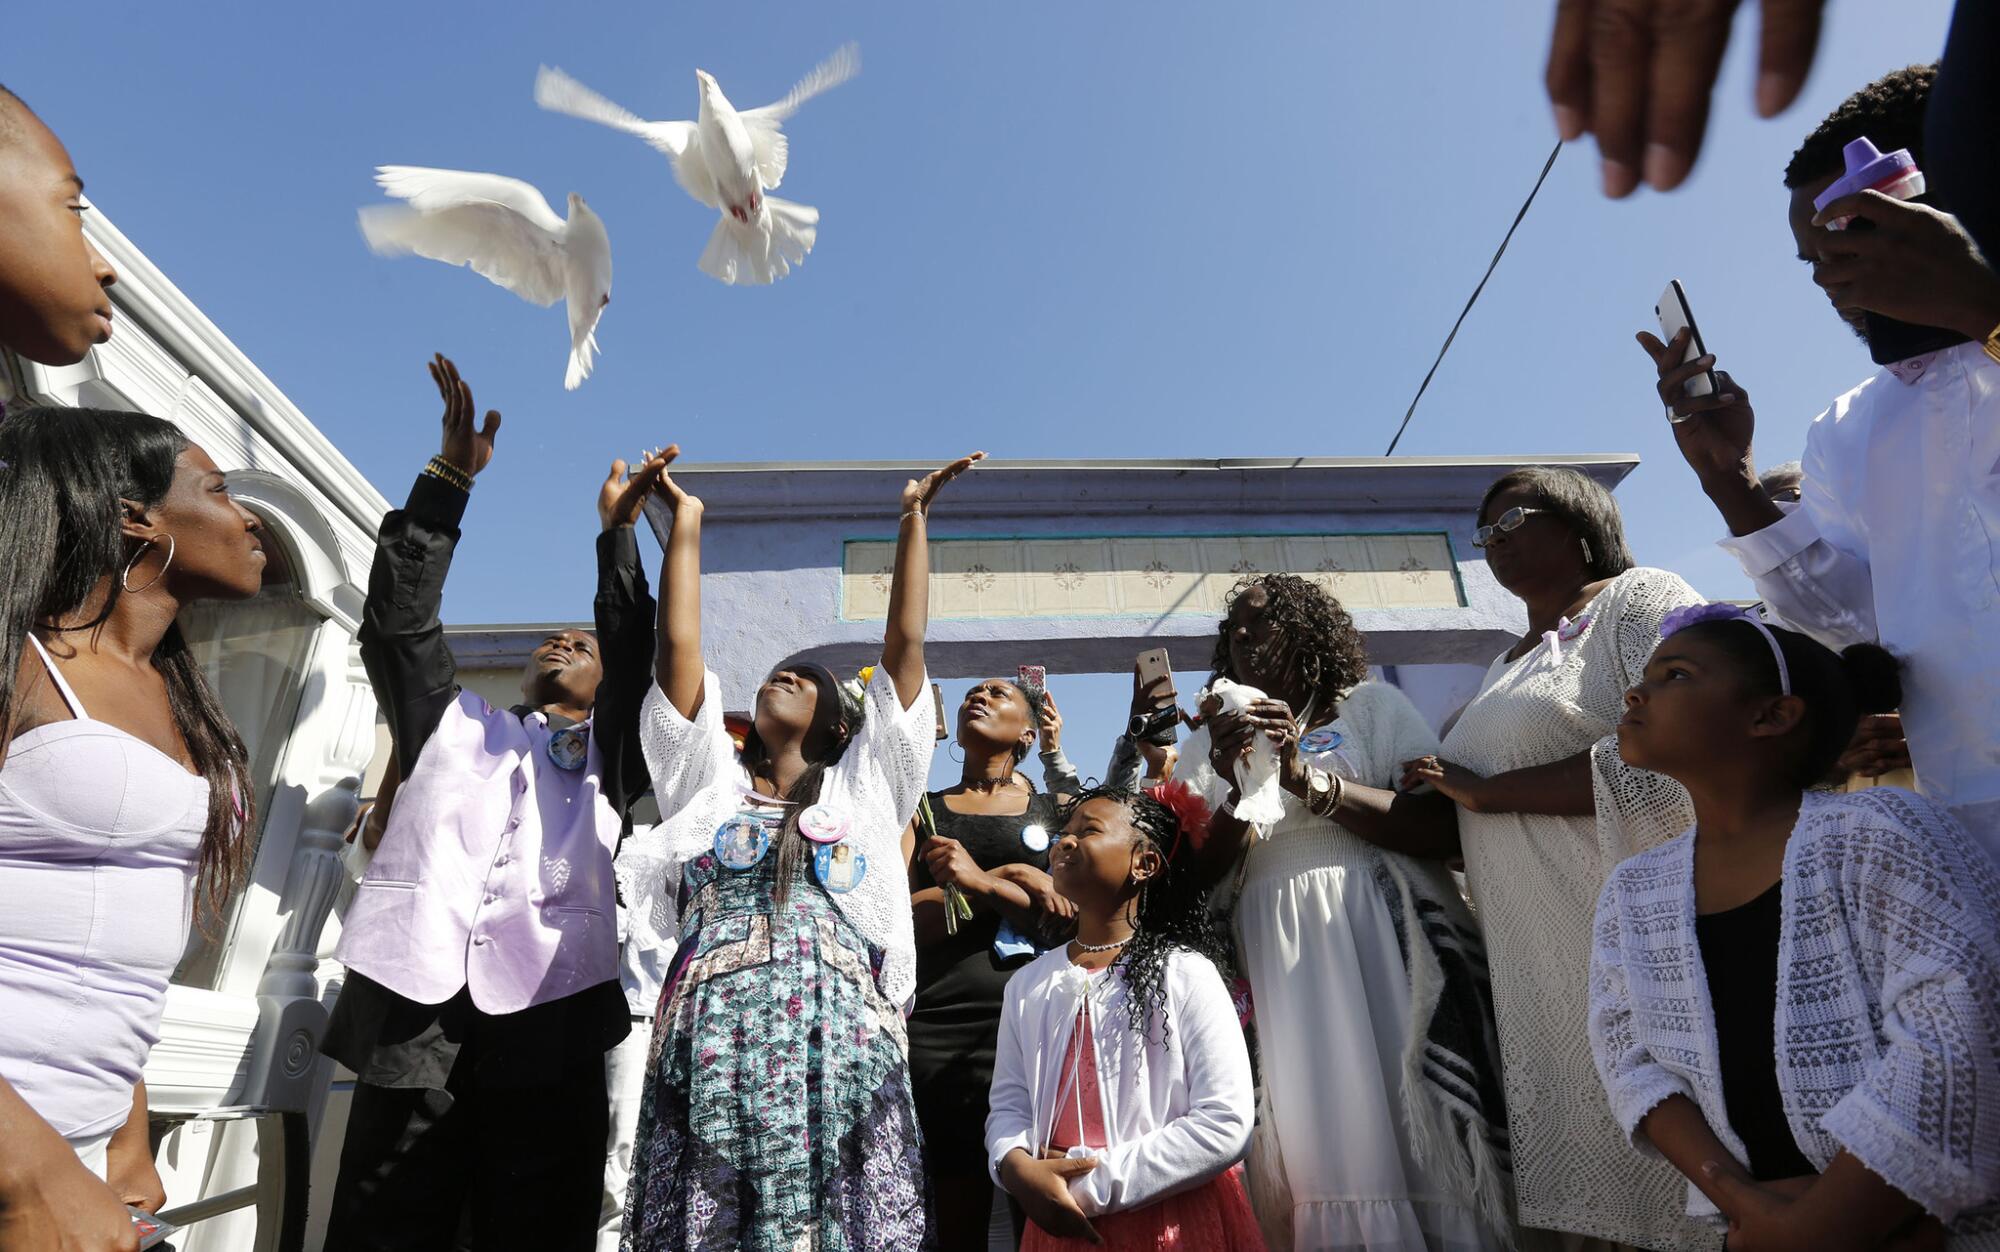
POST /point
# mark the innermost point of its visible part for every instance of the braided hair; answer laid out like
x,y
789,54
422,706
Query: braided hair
x,y
1173,910
1323,651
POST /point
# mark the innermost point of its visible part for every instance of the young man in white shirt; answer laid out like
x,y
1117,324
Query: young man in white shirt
x,y
1896,538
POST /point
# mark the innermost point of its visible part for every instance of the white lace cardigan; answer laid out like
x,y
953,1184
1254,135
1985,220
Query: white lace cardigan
x,y
700,783
1177,1102
1888,1027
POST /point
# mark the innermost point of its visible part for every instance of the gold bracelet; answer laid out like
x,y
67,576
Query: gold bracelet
x,y
916,513
1992,344
444,471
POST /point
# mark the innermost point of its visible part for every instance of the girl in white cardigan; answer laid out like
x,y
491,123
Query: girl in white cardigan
x,y
1797,1002
1121,1097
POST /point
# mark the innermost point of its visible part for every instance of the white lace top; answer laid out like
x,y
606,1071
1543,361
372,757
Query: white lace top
x,y
1534,879
1888,969
700,784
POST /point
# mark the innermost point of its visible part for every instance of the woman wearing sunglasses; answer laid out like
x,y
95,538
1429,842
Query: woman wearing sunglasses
x,y
1546,808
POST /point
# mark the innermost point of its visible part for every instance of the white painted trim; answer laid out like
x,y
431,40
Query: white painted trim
x,y
148,297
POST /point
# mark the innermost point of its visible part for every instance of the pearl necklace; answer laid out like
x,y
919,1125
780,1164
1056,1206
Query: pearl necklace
x,y
1081,946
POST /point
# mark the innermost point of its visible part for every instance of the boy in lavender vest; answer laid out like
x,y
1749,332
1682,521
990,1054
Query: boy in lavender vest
x,y
482,989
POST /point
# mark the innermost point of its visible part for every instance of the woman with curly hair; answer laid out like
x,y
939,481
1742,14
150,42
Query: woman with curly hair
x,y
1121,1103
1380,1122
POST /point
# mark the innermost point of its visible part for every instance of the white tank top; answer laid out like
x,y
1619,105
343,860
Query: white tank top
x,y
99,832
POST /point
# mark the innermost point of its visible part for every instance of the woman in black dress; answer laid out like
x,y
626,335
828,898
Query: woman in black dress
x,y
985,840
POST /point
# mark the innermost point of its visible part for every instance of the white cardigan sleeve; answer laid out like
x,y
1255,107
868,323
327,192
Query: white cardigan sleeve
x,y
1010,1103
1633,1081
683,756
1214,1132
1926,1113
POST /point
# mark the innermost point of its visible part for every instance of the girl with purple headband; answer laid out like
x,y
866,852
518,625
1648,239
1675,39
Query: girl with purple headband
x,y
1797,1002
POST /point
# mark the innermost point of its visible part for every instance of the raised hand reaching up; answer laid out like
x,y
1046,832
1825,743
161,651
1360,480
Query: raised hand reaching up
x,y
918,493
621,499
464,445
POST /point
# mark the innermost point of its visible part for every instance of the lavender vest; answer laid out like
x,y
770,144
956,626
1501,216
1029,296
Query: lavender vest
x,y
494,872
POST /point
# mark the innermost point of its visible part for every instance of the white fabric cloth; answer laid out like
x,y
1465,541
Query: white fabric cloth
x,y
1334,1163
1888,975
699,783
1534,879
1897,541
643,955
1262,800
94,1151
1177,1102
625,1081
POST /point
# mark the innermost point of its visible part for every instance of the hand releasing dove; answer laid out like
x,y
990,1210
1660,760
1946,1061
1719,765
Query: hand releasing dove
x,y
726,160
502,228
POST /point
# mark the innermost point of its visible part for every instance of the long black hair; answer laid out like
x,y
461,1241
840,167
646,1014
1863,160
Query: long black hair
x,y
838,712
1582,504
1324,652
63,473
1173,914
1837,689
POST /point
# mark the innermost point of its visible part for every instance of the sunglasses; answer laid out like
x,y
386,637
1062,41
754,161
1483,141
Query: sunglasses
x,y
1511,520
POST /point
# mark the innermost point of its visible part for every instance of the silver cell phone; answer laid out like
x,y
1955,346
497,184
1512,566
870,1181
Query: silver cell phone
x,y
1675,316
937,704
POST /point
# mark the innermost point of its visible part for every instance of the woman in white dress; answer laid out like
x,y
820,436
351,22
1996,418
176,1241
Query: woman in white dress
x,y
1379,1122
1546,808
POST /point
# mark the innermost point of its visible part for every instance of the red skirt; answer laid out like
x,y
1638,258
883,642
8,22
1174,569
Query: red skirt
x,y
1214,1217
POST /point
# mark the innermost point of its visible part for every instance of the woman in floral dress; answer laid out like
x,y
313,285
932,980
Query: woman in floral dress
x,y
777,1113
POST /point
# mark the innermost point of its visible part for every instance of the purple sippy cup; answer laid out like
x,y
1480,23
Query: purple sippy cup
x,y
1894,174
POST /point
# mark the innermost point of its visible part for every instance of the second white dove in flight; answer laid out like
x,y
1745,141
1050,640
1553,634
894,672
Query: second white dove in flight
x,y
728,161
505,230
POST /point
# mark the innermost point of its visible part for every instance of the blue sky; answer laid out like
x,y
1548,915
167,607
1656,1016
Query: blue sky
x,y
1047,230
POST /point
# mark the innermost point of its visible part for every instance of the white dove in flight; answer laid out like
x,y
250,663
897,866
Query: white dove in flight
x,y
728,161
502,228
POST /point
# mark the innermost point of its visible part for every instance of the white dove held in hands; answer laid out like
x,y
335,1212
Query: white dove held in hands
x,y
504,229
1262,801
728,161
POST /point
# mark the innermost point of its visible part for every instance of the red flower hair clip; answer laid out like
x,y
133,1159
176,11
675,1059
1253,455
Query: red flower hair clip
x,y
1190,812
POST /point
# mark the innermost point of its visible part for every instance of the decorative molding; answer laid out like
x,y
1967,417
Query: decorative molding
x,y
185,336
795,492
1151,575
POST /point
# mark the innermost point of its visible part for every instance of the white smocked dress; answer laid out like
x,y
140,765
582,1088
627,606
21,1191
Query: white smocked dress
x,y
1335,1162
1534,879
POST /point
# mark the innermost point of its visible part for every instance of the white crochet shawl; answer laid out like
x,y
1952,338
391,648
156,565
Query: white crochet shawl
x,y
1888,1028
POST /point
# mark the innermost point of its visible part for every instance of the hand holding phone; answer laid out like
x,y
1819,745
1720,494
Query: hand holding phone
x,y
1155,715
151,1230
937,706
1675,316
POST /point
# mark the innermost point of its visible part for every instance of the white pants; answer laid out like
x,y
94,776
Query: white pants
x,y
625,1077
93,1152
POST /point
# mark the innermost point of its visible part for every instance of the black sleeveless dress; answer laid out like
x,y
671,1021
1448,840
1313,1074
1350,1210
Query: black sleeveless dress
x,y
960,984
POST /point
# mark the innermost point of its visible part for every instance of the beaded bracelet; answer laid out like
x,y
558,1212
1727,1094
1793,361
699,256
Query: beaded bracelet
x,y
444,471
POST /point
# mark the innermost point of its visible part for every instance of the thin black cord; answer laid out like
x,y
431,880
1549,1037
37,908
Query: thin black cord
x,y
1494,264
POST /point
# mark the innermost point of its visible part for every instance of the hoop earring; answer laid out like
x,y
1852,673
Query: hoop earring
x,y
1588,559
125,579
950,748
